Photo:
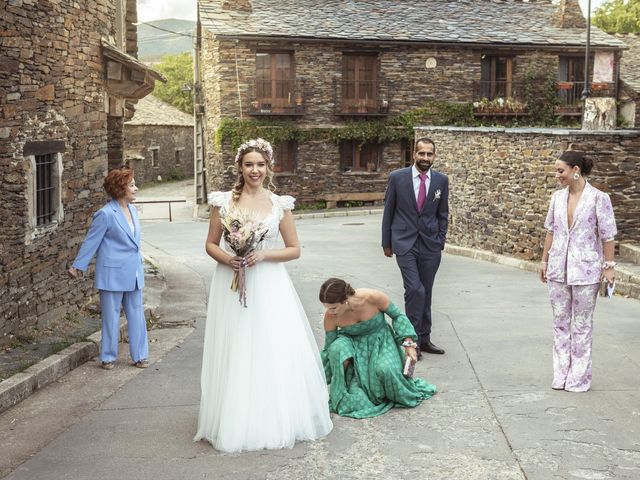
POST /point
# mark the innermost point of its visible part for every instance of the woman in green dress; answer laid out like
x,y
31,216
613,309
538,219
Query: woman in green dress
x,y
364,356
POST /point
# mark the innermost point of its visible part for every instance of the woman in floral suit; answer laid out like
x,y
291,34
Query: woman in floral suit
x,y
578,254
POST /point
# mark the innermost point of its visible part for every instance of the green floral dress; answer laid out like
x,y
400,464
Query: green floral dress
x,y
373,382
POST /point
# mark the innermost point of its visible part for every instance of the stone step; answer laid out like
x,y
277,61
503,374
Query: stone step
x,y
628,279
630,253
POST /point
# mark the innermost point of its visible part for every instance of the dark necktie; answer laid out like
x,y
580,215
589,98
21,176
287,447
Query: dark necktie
x,y
422,191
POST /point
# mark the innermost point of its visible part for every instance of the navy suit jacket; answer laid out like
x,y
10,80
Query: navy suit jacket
x,y
119,262
402,223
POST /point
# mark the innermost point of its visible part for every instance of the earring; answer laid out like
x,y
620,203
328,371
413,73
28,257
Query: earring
x,y
576,176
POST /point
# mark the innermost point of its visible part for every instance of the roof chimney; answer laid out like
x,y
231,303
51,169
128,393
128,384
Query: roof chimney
x,y
237,5
568,15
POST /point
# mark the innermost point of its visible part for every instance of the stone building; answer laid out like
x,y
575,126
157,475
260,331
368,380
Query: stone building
x,y
67,72
159,142
502,179
630,81
334,83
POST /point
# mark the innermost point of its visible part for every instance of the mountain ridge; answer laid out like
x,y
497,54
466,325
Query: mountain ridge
x,y
168,36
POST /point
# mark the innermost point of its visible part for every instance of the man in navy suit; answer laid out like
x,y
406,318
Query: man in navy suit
x,y
414,227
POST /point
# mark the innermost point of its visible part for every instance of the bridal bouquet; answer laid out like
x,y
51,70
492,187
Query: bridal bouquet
x,y
243,233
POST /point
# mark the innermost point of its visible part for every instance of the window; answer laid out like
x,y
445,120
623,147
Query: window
x,y
359,158
570,80
274,80
406,152
155,151
496,77
284,157
45,189
177,155
43,193
360,82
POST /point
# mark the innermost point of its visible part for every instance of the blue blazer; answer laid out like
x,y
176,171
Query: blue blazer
x,y
401,221
119,262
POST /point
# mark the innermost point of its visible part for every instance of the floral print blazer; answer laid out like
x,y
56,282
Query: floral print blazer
x,y
575,256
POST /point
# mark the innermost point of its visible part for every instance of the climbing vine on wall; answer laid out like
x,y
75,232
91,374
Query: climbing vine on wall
x,y
394,129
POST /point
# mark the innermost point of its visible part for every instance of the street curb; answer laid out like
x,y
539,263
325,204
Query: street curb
x,y
491,257
19,386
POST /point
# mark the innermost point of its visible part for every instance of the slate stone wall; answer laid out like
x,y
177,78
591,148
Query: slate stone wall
x,y
141,139
228,73
501,181
51,90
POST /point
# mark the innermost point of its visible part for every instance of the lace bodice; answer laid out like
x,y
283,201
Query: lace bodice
x,y
279,203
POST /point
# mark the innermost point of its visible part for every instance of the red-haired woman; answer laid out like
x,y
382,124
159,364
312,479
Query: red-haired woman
x,y
115,236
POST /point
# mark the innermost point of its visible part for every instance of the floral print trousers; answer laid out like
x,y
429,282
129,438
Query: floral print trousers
x,y
573,307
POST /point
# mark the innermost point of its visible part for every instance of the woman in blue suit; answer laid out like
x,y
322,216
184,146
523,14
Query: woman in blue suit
x,y
115,236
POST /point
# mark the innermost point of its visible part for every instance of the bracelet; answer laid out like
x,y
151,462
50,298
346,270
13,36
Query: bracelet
x,y
411,344
609,264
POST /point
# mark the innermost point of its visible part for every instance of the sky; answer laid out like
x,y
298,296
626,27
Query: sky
x,y
149,10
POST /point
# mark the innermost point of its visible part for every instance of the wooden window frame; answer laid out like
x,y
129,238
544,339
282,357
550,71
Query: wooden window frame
x,y
354,157
361,98
489,63
275,100
290,163
155,157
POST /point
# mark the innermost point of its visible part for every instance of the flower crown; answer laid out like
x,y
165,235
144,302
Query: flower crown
x,y
259,144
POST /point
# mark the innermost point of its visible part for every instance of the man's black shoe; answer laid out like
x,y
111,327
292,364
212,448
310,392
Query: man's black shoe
x,y
431,348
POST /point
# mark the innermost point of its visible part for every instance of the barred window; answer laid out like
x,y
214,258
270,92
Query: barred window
x,y
45,189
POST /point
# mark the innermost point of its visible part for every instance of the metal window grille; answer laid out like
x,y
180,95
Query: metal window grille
x,y
45,188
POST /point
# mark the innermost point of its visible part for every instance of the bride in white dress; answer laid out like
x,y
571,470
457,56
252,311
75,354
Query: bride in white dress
x,y
262,381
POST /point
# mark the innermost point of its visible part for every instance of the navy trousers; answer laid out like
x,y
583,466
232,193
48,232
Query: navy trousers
x,y
419,267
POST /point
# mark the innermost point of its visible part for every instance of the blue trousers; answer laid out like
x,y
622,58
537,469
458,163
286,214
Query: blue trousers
x,y
418,268
110,305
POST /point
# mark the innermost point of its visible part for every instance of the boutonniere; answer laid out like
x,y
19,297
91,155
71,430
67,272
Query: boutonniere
x,y
437,194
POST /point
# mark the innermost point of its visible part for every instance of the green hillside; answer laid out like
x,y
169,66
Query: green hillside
x,y
153,43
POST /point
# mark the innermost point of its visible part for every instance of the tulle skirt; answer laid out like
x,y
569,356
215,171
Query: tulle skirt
x,y
262,381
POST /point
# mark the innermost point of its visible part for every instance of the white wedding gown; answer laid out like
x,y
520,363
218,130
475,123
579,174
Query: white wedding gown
x,y
263,384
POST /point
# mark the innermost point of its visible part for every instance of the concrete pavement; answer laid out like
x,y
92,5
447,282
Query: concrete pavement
x,y
495,416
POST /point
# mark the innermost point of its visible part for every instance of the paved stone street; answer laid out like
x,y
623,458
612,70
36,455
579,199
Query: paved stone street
x,y
495,416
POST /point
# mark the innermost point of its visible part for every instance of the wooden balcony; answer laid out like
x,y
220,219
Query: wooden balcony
x,y
277,98
361,98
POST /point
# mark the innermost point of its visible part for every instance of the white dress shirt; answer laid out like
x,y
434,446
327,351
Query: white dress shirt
x,y
415,173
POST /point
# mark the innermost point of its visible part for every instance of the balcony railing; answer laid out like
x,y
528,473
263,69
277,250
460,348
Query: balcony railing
x,y
498,89
280,97
499,98
568,98
367,98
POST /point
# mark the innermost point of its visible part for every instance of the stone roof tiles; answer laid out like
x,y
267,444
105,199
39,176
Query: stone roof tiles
x,y
630,65
153,111
507,22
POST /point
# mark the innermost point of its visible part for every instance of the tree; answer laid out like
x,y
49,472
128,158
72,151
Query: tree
x,y
618,16
179,72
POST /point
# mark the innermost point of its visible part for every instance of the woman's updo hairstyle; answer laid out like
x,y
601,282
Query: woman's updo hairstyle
x,y
575,158
335,290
